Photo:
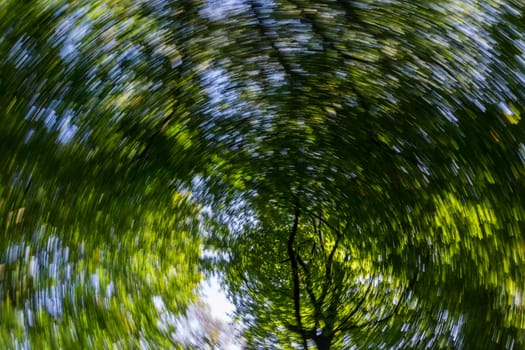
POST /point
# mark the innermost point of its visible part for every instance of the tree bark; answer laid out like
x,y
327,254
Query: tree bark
x,y
323,342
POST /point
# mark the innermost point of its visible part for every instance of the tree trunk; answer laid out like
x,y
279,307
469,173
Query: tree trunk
x,y
323,342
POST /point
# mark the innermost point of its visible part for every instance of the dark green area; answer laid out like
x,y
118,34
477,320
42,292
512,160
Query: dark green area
x,y
353,170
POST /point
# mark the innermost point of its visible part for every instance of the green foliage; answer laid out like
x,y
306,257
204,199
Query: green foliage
x,y
405,137
94,231
352,168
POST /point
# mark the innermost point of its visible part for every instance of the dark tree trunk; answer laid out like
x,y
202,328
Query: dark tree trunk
x,y
323,342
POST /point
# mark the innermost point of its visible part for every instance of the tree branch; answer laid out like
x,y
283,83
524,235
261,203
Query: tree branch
x,y
323,220
355,309
328,270
309,290
392,314
317,230
328,267
295,276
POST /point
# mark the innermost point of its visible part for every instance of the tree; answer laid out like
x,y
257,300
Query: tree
x,y
356,165
375,122
298,274
91,234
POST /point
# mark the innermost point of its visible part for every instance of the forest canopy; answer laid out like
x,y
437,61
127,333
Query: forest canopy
x,y
351,170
